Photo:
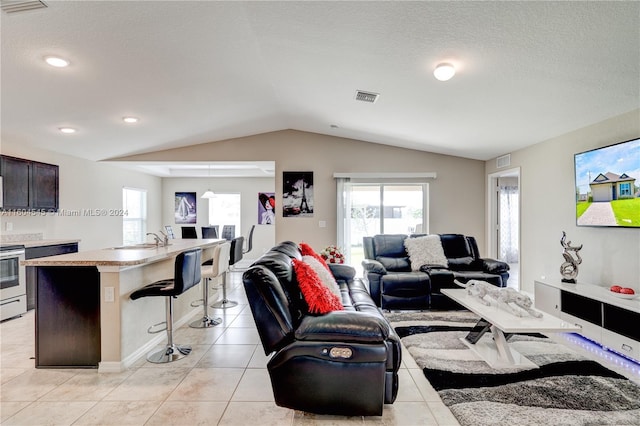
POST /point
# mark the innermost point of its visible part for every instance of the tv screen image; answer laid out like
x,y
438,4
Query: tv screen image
x,y
608,185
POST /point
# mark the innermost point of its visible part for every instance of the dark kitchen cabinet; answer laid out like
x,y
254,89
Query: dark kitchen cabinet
x,y
31,276
15,174
43,191
29,185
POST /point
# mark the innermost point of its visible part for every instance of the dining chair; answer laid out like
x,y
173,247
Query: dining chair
x,y
229,232
210,231
189,232
249,240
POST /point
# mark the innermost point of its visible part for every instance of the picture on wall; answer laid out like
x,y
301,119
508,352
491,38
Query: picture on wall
x,y
297,194
266,208
185,207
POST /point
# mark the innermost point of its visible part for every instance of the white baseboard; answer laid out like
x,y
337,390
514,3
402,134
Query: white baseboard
x,y
117,367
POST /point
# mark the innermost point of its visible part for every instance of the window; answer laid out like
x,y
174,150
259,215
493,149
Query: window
x,y
224,209
134,220
625,189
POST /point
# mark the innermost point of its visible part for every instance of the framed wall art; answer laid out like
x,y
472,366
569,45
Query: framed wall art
x,y
185,207
297,194
266,208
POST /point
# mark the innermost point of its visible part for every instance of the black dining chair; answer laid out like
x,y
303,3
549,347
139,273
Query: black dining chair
x,y
210,231
189,232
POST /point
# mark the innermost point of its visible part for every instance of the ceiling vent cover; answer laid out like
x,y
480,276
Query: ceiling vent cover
x,y
366,96
503,161
15,6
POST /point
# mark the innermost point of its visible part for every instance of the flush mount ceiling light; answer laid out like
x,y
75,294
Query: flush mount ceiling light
x,y
130,120
67,130
444,71
54,61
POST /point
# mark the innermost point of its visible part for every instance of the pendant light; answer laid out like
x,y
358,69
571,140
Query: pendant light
x,y
209,193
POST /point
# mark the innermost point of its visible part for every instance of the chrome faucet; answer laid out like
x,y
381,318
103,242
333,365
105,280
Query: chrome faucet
x,y
156,239
166,238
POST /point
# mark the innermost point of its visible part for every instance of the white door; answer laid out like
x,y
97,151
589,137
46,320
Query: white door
x,y
379,208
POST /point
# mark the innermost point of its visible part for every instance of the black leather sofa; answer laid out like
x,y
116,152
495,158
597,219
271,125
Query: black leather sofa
x,y
343,362
393,285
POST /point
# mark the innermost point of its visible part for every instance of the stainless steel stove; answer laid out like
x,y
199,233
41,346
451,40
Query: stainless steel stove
x,y
13,288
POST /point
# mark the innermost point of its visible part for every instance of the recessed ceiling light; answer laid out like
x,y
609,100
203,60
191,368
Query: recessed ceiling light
x,y
67,130
444,71
130,120
56,62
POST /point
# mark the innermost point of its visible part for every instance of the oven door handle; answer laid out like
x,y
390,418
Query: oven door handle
x,y
13,253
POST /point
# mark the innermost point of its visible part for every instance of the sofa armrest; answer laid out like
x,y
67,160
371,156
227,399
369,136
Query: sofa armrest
x,y
493,266
343,326
374,267
342,272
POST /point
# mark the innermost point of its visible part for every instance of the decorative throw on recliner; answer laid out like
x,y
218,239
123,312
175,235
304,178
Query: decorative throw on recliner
x,y
425,250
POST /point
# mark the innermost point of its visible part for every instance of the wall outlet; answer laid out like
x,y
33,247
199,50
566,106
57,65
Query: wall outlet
x,y
109,294
8,226
322,224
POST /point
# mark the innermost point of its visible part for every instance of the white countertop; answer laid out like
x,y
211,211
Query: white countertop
x,y
596,292
41,243
122,257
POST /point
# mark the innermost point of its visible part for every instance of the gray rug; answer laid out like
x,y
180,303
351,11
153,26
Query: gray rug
x,y
567,389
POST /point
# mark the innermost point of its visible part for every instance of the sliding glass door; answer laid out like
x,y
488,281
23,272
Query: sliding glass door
x,y
380,208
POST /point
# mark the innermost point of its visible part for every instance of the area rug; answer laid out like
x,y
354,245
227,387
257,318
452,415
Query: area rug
x,y
567,389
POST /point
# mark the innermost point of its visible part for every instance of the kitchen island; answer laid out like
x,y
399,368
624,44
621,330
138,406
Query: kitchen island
x,y
84,316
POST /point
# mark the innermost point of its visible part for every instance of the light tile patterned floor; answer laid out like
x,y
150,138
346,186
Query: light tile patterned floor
x,y
223,381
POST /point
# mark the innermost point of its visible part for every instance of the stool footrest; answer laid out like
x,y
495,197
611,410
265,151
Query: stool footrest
x,y
151,331
196,303
169,354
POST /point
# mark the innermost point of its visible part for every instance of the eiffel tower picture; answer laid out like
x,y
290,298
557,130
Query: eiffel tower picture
x,y
297,194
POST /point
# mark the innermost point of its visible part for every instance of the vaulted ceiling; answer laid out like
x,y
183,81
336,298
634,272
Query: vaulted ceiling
x,y
202,71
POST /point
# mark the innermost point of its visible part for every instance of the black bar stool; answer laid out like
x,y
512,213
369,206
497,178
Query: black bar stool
x,y
219,267
186,275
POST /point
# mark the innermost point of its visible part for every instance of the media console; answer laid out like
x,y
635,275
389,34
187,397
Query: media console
x,y
609,320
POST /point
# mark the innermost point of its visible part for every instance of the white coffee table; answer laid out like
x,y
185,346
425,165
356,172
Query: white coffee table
x,y
497,352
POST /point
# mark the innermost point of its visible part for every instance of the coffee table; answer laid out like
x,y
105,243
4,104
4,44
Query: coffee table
x,y
496,352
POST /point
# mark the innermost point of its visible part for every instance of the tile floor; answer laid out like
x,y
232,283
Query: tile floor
x,y
223,381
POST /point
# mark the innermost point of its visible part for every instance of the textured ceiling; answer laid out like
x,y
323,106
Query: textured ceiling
x,y
196,72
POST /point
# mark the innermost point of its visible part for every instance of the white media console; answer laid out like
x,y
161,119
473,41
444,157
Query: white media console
x,y
604,317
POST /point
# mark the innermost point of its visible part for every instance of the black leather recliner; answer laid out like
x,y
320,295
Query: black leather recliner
x,y
393,285
344,362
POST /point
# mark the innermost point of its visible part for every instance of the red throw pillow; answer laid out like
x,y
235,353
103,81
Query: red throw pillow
x,y
307,250
318,296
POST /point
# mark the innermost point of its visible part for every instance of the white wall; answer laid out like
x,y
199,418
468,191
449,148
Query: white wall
x,y
248,188
456,196
84,185
610,255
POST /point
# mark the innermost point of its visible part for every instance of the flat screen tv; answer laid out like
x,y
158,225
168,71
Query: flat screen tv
x,y
608,185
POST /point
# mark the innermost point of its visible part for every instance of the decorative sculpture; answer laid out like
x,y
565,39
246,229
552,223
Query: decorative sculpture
x,y
569,269
504,296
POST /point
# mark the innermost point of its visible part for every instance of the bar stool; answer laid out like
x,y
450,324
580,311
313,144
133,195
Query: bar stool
x,y
219,267
235,250
186,275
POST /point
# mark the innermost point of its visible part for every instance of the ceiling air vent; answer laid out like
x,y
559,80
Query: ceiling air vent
x,y
366,96
15,6
503,161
